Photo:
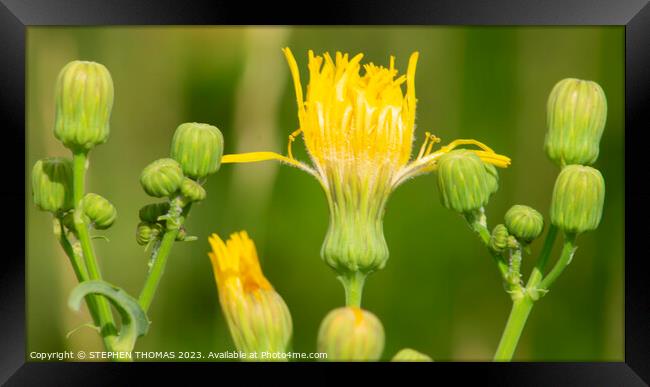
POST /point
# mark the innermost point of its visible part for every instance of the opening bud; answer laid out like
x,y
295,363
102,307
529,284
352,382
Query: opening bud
x,y
524,223
192,191
408,354
576,115
151,212
258,318
84,99
351,334
198,148
52,184
162,178
464,181
578,198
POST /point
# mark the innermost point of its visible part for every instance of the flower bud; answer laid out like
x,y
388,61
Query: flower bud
x,y
524,222
198,148
464,182
492,178
146,232
162,178
151,212
192,191
576,115
84,99
408,354
258,318
578,198
99,211
499,238
351,334
52,184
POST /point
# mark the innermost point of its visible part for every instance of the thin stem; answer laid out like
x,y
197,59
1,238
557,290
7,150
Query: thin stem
x,y
77,265
516,322
353,285
562,263
161,255
538,270
484,234
157,270
79,180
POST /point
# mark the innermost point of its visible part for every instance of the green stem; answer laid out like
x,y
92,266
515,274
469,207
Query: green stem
x,y
538,270
353,285
157,269
516,322
79,180
77,265
484,234
562,263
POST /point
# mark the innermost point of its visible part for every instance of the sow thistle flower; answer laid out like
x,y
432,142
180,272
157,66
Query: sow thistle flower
x,y
358,130
257,316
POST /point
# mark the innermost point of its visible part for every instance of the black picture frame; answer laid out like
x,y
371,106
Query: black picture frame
x,y
17,15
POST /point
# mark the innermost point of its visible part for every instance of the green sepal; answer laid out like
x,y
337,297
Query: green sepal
x,y
134,321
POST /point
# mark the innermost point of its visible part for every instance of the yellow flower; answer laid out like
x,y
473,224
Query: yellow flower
x,y
257,316
358,130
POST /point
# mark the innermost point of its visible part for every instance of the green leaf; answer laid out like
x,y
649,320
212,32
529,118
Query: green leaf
x,y
134,320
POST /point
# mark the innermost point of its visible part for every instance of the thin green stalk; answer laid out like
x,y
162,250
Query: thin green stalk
x,y
562,263
77,265
538,270
157,269
79,179
484,235
516,322
160,260
353,285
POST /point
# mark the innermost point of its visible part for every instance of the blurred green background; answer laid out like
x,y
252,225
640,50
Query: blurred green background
x,y
440,292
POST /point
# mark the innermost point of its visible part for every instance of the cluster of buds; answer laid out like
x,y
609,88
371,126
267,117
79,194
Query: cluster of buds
x,y
577,112
84,100
195,153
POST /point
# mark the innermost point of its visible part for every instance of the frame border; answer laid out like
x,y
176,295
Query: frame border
x,y
17,15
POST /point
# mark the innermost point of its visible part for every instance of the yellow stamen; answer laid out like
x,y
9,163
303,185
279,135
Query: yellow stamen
x,y
292,138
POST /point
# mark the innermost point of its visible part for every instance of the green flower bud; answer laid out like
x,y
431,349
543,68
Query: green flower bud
x,y
465,183
499,238
146,232
192,191
576,115
84,99
408,354
162,178
351,333
492,178
52,184
578,198
524,222
151,212
99,211
198,148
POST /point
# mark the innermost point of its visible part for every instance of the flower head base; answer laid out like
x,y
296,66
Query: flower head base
x,y
351,334
258,318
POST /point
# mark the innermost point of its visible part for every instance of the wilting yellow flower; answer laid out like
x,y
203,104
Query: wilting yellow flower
x,y
358,130
258,318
